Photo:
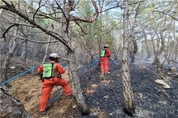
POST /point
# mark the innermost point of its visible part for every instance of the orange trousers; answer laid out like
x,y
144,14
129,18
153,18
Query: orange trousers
x,y
104,65
47,87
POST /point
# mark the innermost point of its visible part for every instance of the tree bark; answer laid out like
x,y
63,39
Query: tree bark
x,y
77,91
146,42
159,67
133,43
11,50
73,77
134,51
127,89
160,46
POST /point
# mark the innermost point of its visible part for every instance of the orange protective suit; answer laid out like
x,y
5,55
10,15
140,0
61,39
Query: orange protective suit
x,y
104,62
48,84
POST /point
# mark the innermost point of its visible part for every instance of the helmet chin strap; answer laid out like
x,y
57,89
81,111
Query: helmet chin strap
x,y
57,60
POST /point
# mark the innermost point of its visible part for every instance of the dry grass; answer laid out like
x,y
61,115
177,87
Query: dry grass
x,y
27,89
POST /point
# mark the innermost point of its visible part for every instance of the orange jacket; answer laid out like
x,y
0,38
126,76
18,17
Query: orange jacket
x,y
57,68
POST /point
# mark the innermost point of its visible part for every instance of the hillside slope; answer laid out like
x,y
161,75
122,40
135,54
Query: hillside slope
x,y
104,97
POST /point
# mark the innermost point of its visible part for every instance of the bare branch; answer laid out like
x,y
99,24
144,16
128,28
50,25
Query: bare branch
x,y
41,42
4,34
112,8
41,14
61,9
37,9
92,19
167,14
81,28
14,10
121,6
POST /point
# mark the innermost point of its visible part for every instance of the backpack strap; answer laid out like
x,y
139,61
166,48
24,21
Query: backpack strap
x,y
56,73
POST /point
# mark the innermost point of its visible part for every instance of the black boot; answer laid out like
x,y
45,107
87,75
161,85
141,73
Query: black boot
x,y
43,112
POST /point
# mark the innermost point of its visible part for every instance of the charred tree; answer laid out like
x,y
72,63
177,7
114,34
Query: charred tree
x,y
73,77
127,89
134,51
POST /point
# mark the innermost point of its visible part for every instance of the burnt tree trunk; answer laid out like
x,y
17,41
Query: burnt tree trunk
x,y
76,89
146,42
159,67
133,43
127,89
73,77
134,51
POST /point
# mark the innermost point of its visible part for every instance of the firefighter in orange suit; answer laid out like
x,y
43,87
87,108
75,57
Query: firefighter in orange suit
x,y
51,74
105,54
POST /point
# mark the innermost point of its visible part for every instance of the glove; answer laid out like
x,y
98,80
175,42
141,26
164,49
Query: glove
x,y
58,75
41,77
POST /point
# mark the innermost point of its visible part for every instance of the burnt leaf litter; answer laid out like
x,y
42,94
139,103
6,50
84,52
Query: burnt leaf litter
x,y
105,99
104,96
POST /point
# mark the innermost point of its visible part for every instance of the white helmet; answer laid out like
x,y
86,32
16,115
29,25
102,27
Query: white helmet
x,y
54,56
106,46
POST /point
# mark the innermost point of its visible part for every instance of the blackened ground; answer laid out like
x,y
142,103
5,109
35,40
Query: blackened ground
x,y
105,99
